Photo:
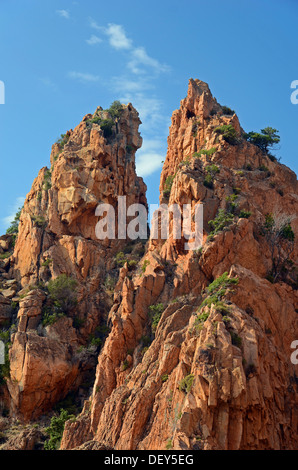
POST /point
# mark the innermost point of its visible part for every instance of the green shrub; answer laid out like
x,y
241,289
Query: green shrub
x,y
236,340
107,127
105,124
5,255
215,293
121,259
63,139
155,312
47,263
208,182
228,132
115,109
62,292
50,317
14,227
169,444
243,214
185,384
168,185
55,430
145,264
38,221
232,203
221,221
222,282
264,140
200,320
211,171
263,168
227,111
5,368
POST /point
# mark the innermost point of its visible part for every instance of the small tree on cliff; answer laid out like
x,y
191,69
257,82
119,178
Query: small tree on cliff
x,y
265,140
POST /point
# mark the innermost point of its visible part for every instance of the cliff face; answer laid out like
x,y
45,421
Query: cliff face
x,y
92,164
216,372
198,353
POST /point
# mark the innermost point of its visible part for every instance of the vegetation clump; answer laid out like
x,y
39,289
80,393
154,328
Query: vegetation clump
x,y
185,384
215,293
264,140
227,111
211,172
228,132
13,229
223,220
155,312
55,430
62,298
63,139
168,185
107,124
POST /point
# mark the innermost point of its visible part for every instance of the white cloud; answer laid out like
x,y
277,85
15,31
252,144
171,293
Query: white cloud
x,y
149,158
141,58
117,36
63,14
147,163
13,210
150,109
83,77
115,33
93,40
125,84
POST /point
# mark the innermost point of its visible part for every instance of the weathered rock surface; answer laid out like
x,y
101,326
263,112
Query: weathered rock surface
x,y
199,350
217,376
57,236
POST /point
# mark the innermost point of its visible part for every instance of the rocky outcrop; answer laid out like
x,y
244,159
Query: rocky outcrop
x,y
198,356
198,353
92,164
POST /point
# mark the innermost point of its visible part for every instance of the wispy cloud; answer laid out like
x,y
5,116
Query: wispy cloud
x,y
148,163
13,210
139,57
126,84
117,36
139,61
150,109
93,40
83,77
136,85
115,33
63,13
149,157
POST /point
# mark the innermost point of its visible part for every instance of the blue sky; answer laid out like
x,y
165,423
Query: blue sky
x,y
62,59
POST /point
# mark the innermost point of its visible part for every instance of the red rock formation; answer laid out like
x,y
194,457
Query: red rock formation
x,y
216,375
199,351
57,236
